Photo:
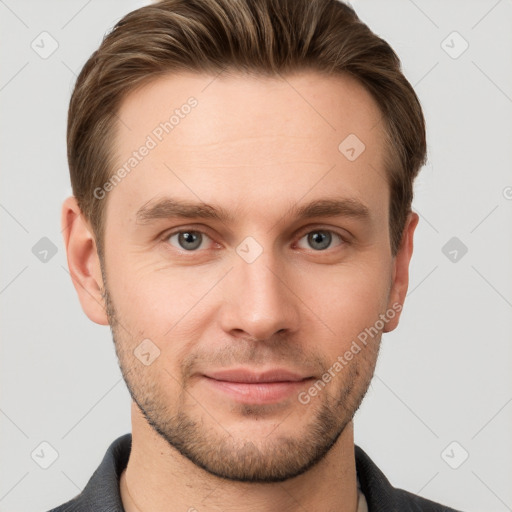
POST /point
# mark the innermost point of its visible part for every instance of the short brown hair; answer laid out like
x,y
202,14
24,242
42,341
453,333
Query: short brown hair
x,y
267,37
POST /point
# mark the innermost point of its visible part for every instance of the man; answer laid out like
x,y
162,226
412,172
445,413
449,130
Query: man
x,y
242,174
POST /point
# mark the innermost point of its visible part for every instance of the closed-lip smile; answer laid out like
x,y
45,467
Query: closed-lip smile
x,y
246,385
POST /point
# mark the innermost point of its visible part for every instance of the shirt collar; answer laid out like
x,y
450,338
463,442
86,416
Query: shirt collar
x,y
102,491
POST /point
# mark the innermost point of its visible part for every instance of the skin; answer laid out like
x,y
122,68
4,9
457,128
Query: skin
x,y
256,147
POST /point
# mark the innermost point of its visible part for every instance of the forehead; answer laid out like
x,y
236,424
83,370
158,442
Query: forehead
x,y
250,103
240,138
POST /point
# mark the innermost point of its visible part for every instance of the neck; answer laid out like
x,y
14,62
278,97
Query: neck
x,y
158,478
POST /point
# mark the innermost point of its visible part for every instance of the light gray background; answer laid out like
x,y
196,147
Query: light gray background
x,y
443,376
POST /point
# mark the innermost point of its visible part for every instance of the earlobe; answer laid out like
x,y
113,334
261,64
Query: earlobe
x,y
83,261
400,281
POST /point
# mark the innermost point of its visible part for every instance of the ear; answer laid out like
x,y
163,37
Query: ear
x,y
400,279
83,261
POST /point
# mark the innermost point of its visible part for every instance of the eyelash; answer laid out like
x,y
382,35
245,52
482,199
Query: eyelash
x,y
343,238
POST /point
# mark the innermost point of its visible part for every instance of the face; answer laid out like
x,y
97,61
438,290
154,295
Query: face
x,y
246,258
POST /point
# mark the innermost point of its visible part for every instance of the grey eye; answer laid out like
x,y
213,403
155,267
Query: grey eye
x,y
188,240
320,239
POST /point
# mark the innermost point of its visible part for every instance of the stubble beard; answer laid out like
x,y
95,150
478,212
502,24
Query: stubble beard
x,y
275,458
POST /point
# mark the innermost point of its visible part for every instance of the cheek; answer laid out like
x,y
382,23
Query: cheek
x,y
156,302
346,302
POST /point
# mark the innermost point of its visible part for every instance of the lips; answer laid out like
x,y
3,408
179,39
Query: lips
x,y
251,387
247,376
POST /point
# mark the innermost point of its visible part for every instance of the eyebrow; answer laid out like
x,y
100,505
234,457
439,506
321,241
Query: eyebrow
x,y
168,208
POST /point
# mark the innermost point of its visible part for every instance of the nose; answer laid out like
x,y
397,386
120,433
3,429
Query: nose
x,y
259,303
